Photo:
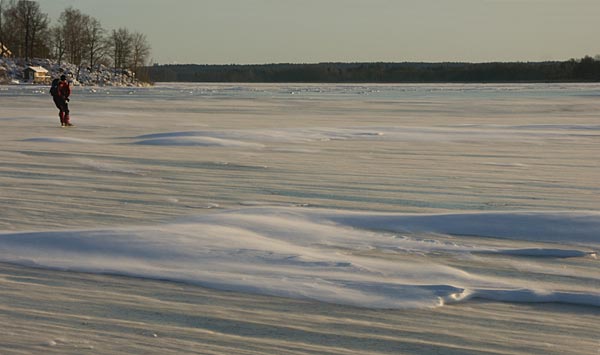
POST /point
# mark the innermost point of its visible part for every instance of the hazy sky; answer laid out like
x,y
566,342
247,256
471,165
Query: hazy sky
x,y
307,31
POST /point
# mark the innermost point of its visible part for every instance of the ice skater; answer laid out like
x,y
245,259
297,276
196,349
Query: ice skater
x,y
60,91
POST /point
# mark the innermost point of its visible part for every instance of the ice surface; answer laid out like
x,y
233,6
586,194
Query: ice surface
x,y
60,140
406,196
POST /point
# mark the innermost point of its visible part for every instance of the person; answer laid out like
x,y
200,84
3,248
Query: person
x,y
61,99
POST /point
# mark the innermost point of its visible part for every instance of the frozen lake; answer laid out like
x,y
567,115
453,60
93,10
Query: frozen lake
x,y
416,198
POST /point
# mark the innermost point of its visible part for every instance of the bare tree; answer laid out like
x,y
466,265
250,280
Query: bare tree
x,y
83,38
12,38
140,51
121,48
96,45
73,24
9,38
39,32
29,27
77,38
58,43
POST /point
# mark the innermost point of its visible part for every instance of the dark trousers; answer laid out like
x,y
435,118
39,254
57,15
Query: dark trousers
x,y
63,107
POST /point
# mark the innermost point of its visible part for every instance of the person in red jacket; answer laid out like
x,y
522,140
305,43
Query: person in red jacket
x,y
61,99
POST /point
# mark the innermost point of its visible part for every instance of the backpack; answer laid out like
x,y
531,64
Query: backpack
x,y
54,87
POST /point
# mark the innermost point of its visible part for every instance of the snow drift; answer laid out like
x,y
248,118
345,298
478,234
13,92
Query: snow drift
x,y
329,256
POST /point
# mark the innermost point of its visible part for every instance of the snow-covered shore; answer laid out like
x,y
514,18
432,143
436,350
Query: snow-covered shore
x,y
99,75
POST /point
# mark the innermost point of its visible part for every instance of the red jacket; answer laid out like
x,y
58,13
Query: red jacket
x,y
64,90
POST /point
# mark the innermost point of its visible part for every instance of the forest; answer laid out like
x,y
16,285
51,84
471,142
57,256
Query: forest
x,y
26,32
586,69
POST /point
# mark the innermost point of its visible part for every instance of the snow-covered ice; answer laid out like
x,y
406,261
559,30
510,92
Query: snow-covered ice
x,y
317,255
417,198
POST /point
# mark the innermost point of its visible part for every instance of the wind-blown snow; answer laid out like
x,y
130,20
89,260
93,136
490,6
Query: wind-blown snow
x,y
329,256
572,228
411,196
198,141
60,140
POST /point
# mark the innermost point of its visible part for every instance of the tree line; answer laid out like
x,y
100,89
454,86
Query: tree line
x,y
78,38
585,69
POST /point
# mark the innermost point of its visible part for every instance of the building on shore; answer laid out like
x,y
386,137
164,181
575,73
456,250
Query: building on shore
x,y
36,75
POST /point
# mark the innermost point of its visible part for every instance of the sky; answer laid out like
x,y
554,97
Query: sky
x,y
312,31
